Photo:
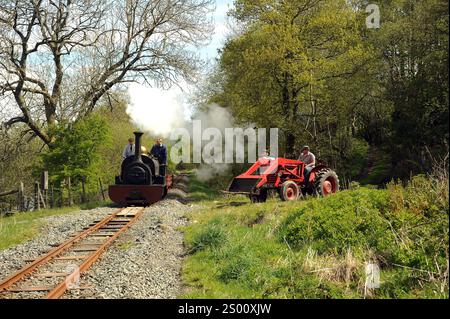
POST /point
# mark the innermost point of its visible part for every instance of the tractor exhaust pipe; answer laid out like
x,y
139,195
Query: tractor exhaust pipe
x,y
137,151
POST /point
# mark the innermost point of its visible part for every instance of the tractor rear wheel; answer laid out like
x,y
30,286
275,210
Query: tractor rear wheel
x,y
326,182
261,198
289,191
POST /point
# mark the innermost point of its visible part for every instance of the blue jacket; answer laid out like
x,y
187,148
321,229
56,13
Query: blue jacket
x,y
160,152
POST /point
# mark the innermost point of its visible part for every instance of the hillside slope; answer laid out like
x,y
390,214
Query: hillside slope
x,y
320,247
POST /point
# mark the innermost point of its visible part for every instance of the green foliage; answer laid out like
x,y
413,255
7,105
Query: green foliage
x,y
200,191
355,157
235,268
325,80
318,248
301,71
413,49
377,168
336,223
75,152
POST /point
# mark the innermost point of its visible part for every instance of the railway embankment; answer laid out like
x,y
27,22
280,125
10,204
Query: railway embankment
x,y
358,243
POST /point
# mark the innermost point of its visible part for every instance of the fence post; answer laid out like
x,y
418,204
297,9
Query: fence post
x,y
41,196
44,183
37,200
69,186
52,196
83,188
101,188
21,198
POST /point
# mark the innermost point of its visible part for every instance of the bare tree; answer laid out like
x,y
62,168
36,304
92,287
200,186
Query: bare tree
x,y
59,58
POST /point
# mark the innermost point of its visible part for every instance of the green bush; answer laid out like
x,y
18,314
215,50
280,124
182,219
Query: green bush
x,y
401,226
318,248
336,223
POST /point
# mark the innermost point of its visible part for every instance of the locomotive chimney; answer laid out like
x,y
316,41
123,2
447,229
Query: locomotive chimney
x,y
137,151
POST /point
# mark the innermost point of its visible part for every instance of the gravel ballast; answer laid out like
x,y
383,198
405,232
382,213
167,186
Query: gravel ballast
x,y
144,262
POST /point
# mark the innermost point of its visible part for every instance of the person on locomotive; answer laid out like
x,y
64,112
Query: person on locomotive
x,y
129,148
159,151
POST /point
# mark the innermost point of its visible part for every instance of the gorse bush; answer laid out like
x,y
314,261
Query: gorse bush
x,y
336,223
418,214
427,196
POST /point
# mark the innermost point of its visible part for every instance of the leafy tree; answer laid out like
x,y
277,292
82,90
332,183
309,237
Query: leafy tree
x,y
314,70
59,59
77,150
413,46
298,65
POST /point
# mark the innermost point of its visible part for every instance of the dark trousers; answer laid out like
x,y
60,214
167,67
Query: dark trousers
x,y
308,172
162,170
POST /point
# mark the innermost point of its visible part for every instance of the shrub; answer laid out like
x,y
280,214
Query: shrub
x,y
404,226
76,152
336,223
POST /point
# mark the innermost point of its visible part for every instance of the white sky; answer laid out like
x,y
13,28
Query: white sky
x,y
162,103
173,98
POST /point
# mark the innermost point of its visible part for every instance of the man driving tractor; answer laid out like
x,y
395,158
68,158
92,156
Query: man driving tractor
x,y
308,158
292,179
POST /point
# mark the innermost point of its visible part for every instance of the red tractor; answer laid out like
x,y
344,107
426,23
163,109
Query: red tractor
x,y
286,176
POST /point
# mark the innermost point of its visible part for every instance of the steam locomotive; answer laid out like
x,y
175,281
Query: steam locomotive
x,y
142,180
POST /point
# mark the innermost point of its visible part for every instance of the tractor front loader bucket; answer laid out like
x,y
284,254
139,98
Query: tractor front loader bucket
x,y
243,185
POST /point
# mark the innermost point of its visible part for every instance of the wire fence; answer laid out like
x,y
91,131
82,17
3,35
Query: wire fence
x,y
43,194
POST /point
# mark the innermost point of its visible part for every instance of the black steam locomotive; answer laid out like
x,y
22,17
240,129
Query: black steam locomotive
x,y
141,181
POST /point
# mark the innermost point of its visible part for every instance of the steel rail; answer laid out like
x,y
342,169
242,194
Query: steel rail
x,y
61,288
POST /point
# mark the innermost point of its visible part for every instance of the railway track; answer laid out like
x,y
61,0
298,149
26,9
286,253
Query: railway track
x,y
59,270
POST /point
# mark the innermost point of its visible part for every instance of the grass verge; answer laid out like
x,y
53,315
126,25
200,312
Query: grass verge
x,y
320,247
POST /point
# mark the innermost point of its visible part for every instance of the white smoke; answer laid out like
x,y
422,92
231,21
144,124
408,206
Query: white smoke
x,y
214,116
208,172
159,112
154,110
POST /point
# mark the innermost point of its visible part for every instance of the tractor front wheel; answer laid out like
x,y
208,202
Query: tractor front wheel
x,y
326,182
289,191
